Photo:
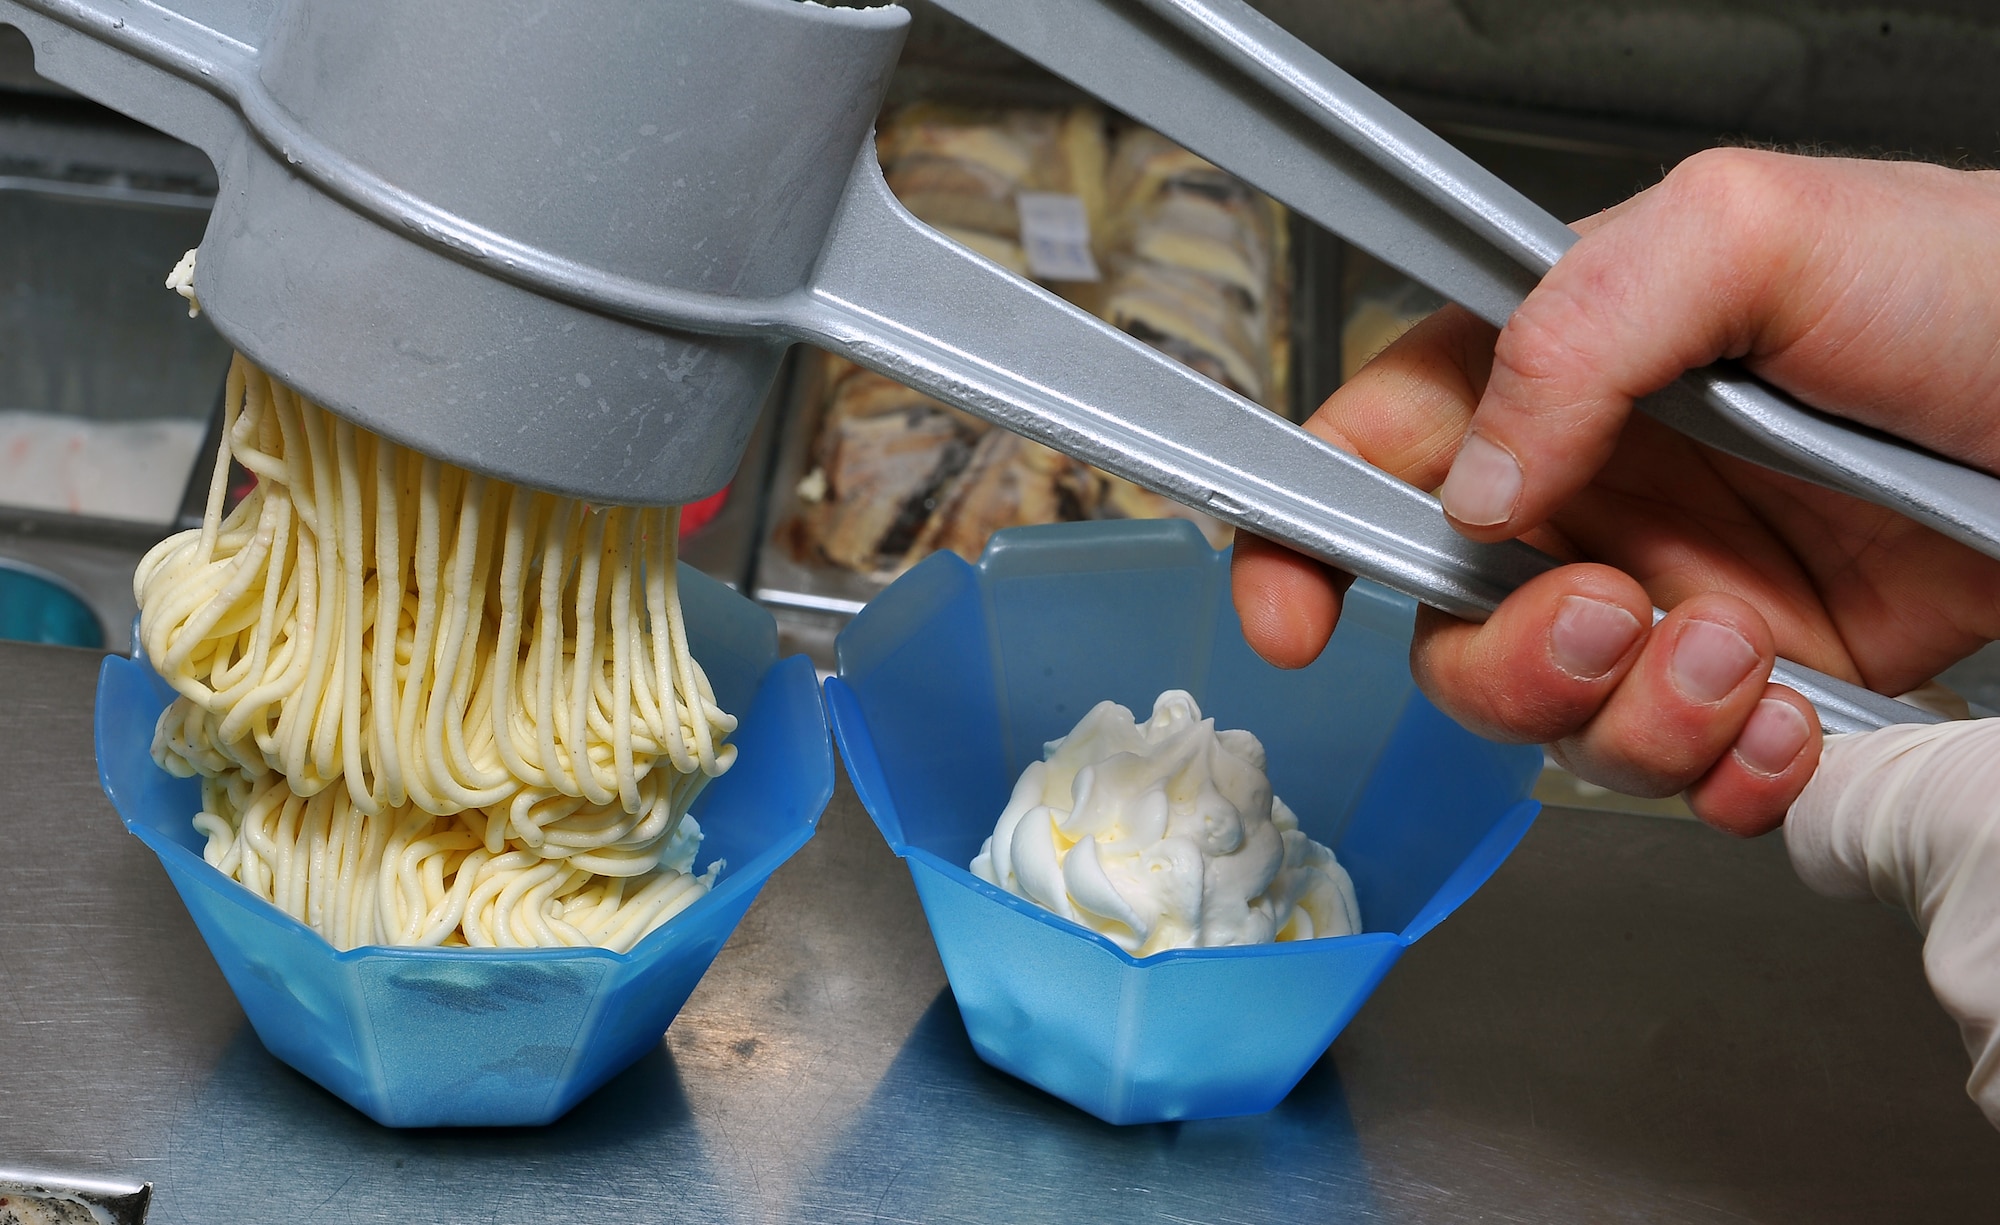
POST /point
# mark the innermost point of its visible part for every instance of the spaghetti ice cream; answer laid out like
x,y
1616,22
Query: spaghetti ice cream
x,y
428,707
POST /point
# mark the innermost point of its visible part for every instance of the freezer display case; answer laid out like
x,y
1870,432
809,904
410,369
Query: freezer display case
x,y
872,477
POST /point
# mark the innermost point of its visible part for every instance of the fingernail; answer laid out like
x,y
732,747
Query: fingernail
x,y
1710,661
1773,737
1483,485
1589,637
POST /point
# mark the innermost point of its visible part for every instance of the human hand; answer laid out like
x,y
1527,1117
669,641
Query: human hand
x,y
1870,290
1909,815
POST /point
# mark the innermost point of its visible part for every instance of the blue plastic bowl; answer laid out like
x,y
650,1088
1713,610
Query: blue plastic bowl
x,y
951,681
487,1037
37,608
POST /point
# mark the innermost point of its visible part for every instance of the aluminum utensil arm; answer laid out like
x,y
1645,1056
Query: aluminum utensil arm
x,y
1847,708
1129,57
897,297
1230,84
172,72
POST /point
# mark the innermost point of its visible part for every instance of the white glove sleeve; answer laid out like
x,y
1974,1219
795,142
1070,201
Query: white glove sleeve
x,y
1911,815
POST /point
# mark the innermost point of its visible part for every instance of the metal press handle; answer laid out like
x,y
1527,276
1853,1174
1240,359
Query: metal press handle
x,y
897,297
168,70
900,298
1230,84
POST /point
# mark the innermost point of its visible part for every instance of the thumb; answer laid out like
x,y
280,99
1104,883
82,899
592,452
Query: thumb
x,y
1911,815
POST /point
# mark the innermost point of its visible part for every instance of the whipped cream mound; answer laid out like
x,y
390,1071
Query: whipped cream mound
x,y
1164,835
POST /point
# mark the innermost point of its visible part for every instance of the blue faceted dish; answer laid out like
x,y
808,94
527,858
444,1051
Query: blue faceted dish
x,y
952,680
36,607
492,1037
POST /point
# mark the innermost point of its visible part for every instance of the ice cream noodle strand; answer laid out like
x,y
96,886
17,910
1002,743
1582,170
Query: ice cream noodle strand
x,y
407,877
460,709
428,706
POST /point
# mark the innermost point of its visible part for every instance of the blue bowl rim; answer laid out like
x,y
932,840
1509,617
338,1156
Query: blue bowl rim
x,y
727,888
64,587
851,726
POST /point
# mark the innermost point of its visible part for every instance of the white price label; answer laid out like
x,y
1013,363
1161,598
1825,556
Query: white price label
x,y
1055,236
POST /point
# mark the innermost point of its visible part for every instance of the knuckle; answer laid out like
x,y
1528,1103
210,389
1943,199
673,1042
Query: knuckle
x,y
1544,718
1538,345
1661,748
1669,285
1747,205
1731,183
1483,699
1648,770
1554,362
1744,811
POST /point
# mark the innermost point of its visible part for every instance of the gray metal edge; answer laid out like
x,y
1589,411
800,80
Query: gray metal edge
x,y
1025,359
1476,222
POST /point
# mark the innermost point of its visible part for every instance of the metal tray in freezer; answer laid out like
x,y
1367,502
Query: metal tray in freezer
x,y
786,576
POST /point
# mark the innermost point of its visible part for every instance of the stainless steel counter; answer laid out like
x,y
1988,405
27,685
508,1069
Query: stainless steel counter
x,y
1637,1020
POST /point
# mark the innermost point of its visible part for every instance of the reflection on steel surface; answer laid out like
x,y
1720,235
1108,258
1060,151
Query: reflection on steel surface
x,y
1611,1030
43,1199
